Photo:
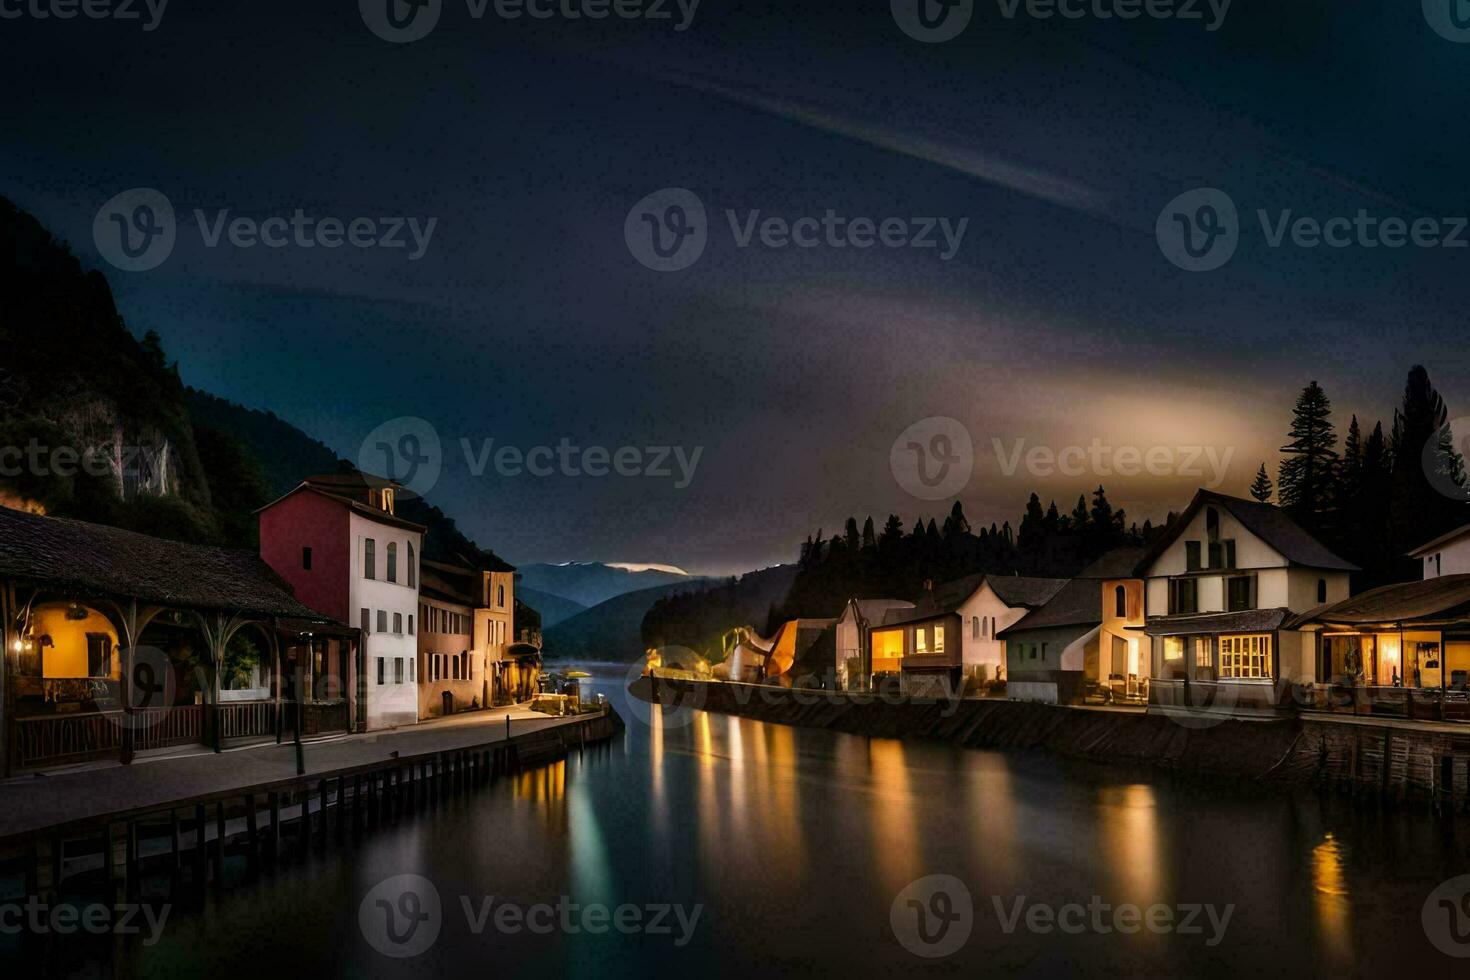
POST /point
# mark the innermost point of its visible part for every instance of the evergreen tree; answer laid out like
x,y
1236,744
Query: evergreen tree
x,y
1305,478
1428,475
870,540
850,539
1262,489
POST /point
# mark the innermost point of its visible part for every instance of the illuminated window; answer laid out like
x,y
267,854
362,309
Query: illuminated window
x,y
1173,648
1203,655
1245,656
921,641
887,650
938,639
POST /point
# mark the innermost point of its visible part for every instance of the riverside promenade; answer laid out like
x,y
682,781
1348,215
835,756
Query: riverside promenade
x,y
97,792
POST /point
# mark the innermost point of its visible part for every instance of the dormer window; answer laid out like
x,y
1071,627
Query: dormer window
x,y
386,499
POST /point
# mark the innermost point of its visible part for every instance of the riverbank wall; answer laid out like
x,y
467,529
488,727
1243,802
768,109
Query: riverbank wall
x,y
188,837
1393,760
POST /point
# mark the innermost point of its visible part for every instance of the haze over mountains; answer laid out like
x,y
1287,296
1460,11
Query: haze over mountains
x,y
590,583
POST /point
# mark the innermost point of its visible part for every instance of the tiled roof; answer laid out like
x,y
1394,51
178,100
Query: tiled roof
x,y
1266,521
1077,603
1246,621
1437,598
93,559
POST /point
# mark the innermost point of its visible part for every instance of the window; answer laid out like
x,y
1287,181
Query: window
x,y
1204,656
1245,656
306,559
1321,590
1183,595
99,655
412,575
500,596
921,640
1173,648
434,668
1031,650
974,627
1120,602
365,627
382,620
1212,524
1191,555
369,558
454,665
1240,593
992,627
410,624
386,496
397,670
398,623
410,667
938,639
380,671
393,561
1043,651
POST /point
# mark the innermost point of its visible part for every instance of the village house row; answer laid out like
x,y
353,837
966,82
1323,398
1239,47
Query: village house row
x,y
1234,608
117,642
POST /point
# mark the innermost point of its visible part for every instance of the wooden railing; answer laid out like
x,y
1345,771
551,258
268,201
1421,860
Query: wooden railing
x,y
242,719
47,740
324,716
156,727
1423,703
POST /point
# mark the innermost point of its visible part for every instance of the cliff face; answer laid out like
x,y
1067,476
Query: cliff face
x,y
92,421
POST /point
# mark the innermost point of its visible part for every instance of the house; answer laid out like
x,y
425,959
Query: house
x,y
1077,643
1398,650
951,636
1220,585
452,673
116,642
338,542
512,663
850,635
1448,554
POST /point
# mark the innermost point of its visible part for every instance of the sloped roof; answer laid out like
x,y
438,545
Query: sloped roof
x,y
1266,521
447,583
99,560
873,610
366,510
1117,563
1246,621
1016,591
1077,603
1446,597
1023,590
1443,539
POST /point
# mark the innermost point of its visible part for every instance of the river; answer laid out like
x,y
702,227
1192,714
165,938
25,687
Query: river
x,y
741,849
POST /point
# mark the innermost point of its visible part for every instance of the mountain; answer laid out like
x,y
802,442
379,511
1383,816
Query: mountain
x,y
286,453
611,630
591,583
553,608
698,618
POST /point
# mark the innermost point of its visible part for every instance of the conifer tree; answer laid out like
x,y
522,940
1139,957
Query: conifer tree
x,y
1262,489
1304,481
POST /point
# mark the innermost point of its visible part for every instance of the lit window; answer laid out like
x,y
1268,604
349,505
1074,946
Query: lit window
x,y
1203,655
938,639
1245,656
921,641
1173,648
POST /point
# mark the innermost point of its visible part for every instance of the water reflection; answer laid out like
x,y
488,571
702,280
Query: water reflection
x,y
895,846
1128,826
1332,904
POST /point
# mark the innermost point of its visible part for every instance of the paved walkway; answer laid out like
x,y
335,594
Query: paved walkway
x,y
60,796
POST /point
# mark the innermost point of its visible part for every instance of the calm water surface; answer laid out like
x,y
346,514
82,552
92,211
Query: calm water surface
x,y
796,843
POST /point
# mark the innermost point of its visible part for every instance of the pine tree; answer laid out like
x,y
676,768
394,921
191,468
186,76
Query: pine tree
x,y
1305,479
870,540
1262,489
1427,472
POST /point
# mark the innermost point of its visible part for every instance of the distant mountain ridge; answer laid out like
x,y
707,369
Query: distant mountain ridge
x,y
611,630
553,608
592,583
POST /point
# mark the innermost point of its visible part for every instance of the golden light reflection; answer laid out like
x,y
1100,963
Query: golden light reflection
x,y
991,793
656,773
1332,904
895,841
1129,823
545,785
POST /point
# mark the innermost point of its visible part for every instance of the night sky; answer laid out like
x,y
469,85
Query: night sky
x,y
528,319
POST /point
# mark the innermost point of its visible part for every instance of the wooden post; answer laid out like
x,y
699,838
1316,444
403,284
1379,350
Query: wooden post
x,y
201,850
274,802
219,843
252,832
